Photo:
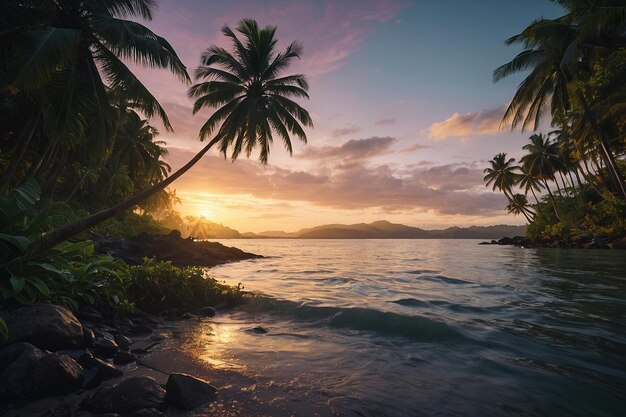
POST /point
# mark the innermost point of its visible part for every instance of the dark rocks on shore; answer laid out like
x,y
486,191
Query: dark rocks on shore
x,y
106,348
187,392
46,326
130,395
122,341
206,311
586,241
107,371
171,247
30,373
123,358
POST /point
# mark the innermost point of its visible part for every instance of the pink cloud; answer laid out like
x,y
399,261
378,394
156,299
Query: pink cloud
x,y
446,189
485,122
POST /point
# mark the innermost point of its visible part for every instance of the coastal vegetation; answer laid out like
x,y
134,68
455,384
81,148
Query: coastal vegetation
x,y
569,183
80,156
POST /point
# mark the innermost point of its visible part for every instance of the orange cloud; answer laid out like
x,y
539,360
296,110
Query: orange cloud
x,y
486,122
453,189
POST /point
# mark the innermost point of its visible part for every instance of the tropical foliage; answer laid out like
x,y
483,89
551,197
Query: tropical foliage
x,y
254,104
79,151
576,67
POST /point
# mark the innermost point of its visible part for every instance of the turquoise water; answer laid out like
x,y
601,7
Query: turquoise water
x,y
426,328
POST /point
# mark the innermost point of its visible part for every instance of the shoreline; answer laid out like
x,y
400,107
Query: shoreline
x,y
583,242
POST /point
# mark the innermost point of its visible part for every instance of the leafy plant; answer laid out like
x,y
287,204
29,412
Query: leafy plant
x,y
159,286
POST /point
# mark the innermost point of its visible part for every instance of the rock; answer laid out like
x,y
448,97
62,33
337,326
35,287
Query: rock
x,y
78,355
45,326
106,348
147,412
259,330
619,243
34,374
62,410
107,370
123,342
140,329
206,311
505,241
92,378
89,338
187,392
130,395
123,358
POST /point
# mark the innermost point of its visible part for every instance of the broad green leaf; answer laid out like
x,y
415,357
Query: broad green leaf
x,y
18,242
40,285
17,283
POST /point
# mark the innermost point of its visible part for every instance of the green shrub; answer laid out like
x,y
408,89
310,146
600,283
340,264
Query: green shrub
x,y
160,287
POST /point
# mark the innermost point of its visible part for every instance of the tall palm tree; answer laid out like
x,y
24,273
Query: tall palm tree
x,y
556,52
541,162
519,205
253,100
64,54
502,174
529,182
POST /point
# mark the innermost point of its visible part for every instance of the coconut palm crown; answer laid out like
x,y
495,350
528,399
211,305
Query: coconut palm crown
x,y
502,174
254,102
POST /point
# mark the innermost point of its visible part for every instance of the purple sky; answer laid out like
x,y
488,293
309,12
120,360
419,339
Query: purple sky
x,y
405,112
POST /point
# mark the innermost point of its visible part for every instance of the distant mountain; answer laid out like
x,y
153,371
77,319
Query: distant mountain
x,y
206,229
387,230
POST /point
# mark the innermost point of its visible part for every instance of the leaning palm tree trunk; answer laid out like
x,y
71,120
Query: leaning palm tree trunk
x,y
614,172
254,103
60,235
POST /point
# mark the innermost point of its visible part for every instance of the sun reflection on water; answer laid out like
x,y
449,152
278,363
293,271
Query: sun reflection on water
x,y
210,342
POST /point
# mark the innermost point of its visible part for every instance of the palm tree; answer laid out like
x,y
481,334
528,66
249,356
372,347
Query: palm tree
x,y
529,182
541,162
253,100
519,205
502,174
556,51
61,56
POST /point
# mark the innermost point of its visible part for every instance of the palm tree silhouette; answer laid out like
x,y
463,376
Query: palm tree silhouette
x,y
255,103
503,174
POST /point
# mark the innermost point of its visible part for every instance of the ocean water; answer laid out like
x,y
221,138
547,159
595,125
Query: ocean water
x,y
418,328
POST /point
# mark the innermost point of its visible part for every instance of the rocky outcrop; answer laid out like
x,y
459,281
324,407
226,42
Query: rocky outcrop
x,y
128,396
46,326
29,373
187,392
171,247
584,241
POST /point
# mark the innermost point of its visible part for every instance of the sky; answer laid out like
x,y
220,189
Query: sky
x,y
406,115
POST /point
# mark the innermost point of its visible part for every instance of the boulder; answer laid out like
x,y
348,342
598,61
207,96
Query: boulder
x,y
619,243
187,392
107,371
106,348
92,378
33,373
89,339
128,396
45,326
123,358
258,330
206,311
122,341
147,412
